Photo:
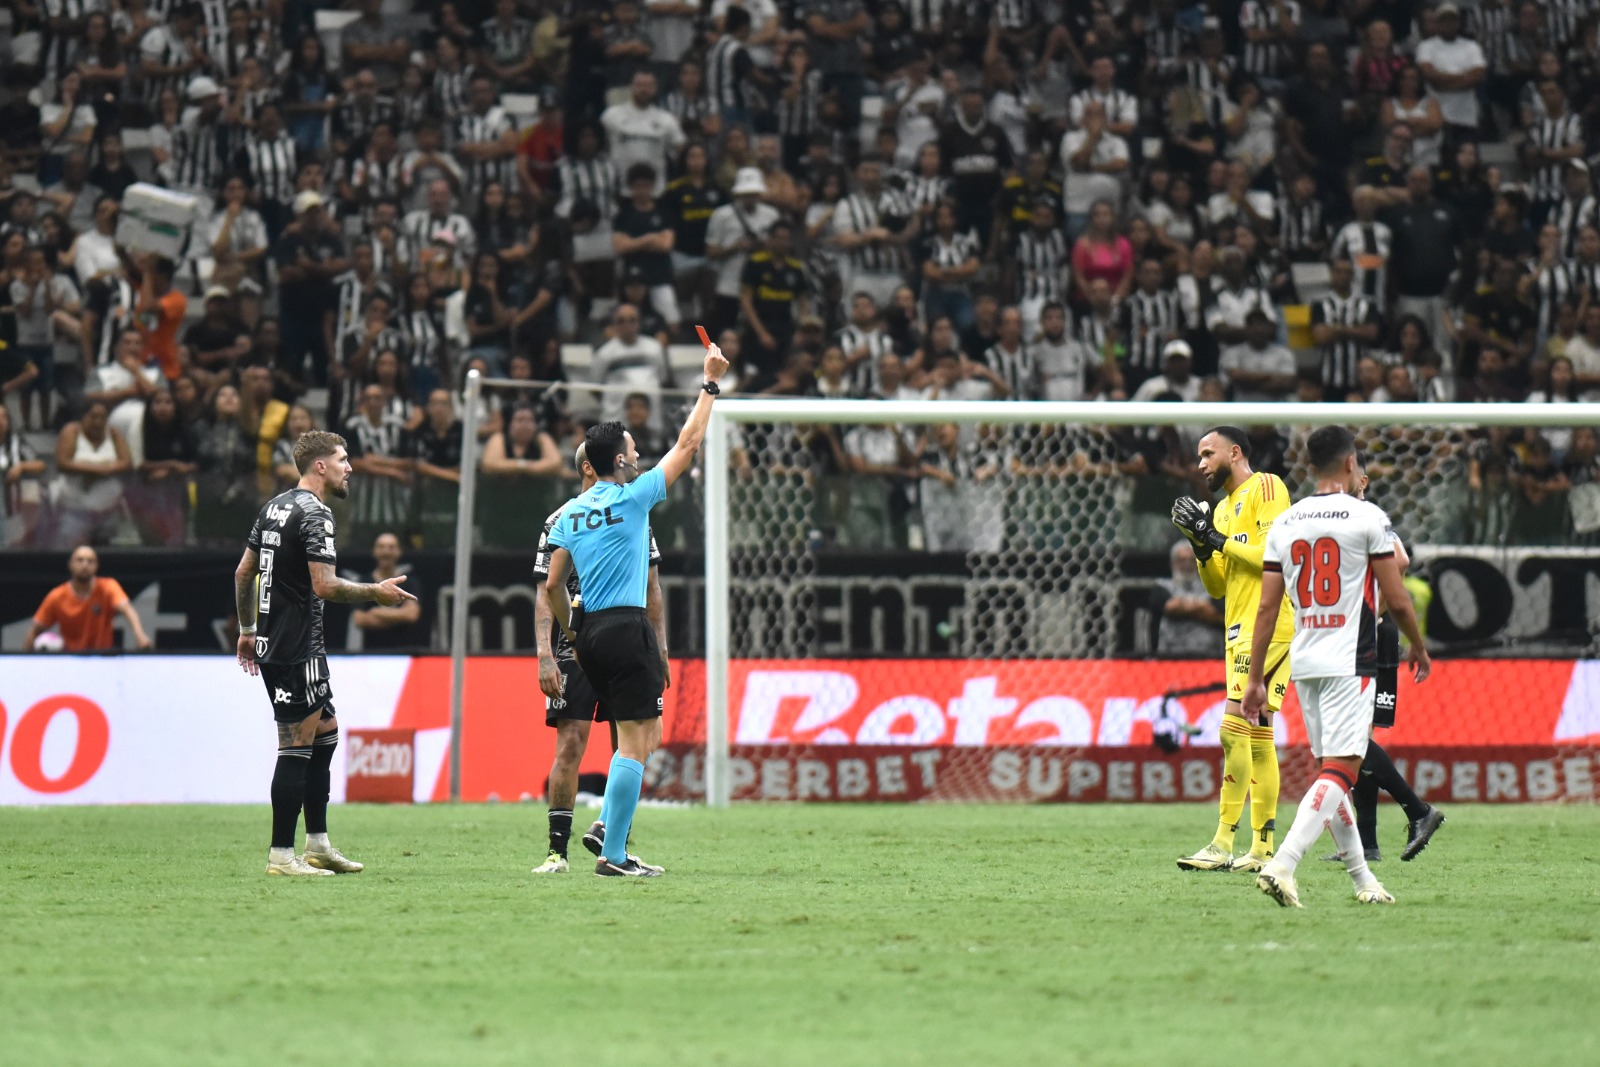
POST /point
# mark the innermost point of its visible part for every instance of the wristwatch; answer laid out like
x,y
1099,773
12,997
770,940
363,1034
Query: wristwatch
x,y
711,387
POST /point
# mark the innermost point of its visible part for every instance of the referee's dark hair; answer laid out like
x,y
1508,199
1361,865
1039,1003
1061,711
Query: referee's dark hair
x,y
1234,436
602,444
1327,447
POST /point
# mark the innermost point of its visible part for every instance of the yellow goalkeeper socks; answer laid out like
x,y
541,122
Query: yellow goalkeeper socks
x,y
1235,778
1264,786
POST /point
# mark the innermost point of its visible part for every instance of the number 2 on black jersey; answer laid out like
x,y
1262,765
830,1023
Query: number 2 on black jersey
x,y
1318,563
264,601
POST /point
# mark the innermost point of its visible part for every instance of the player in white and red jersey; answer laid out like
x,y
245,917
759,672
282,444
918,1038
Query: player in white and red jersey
x,y
1333,553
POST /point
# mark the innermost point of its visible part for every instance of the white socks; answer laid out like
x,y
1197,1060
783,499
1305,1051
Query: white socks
x,y
280,855
1320,804
1348,841
317,843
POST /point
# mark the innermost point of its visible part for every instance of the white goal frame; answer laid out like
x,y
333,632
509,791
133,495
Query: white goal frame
x,y
727,413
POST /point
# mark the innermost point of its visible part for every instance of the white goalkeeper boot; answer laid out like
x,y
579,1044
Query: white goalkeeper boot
x,y
321,854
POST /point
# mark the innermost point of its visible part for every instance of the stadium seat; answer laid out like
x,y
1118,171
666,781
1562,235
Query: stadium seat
x,y
686,363
329,26
523,108
1310,281
577,361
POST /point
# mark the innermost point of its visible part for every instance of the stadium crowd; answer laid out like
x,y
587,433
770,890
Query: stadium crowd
x,y
1342,200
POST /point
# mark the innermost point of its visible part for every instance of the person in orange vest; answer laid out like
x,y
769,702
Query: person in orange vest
x,y
81,608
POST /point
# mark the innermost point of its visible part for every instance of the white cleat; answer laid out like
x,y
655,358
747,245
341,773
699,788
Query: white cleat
x,y
1249,863
1210,858
333,861
1374,894
555,863
294,865
1278,884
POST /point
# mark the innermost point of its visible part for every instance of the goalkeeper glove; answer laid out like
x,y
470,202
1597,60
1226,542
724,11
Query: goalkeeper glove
x,y
1193,518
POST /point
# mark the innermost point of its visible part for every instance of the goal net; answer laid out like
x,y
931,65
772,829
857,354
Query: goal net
x,y
985,601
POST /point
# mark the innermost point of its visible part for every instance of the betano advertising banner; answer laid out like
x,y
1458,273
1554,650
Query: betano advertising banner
x,y
95,730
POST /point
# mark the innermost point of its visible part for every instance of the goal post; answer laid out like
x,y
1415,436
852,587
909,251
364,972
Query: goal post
x,y
1421,448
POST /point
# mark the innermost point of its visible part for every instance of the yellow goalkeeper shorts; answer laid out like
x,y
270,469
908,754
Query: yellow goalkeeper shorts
x,y
1276,674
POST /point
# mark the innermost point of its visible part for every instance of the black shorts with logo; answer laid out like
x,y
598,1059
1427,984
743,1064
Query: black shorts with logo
x,y
620,655
298,689
578,697
1388,679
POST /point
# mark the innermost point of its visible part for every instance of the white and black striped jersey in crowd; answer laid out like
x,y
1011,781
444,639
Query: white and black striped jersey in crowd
x,y
1369,247
928,17
420,226
728,67
251,102
271,164
923,194
1562,18
227,58
425,340
14,450
356,117
199,154
858,213
345,395
1121,106
55,49
1262,58
690,111
506,44
1145,323
1572,281
161,47
410,108
1340,358
1013,15
797,114
1492,28
864,376
1211,86
473,128
1570,217
1016,367
212,32
1166,45
1545,186
350,300
377,501
450,89
1041,262
1092,331
961,247
1302,232
373,179
292,531
594,181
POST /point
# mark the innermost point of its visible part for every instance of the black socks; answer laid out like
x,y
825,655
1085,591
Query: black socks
x,y
1383,772
289,793
560,831
319,780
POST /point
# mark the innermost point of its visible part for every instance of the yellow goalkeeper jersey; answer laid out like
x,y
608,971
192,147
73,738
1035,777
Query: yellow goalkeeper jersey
x,y
1246,516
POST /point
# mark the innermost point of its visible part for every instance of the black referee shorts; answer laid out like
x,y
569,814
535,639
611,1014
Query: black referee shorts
x,y
1388,680
578,698
618,651
298,689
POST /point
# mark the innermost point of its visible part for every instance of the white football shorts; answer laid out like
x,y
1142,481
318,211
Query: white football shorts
x,y
1337,714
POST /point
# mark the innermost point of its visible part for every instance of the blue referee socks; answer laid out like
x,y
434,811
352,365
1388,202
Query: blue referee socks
x,y
622,797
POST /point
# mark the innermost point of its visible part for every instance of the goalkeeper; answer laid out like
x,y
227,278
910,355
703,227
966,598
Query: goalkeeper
x,y
1228,545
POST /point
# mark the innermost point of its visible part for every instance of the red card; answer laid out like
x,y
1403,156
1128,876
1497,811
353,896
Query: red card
x,y
704,339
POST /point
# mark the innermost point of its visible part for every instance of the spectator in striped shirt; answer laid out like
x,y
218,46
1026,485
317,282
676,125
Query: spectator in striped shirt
x,y
485,138
872,225
505,47
1270,29
1553,141
1345,325
950,260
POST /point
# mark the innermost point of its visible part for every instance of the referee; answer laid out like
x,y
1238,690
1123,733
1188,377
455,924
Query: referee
x,y
605,534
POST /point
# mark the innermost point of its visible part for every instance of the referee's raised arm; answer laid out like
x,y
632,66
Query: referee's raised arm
x,y
681,457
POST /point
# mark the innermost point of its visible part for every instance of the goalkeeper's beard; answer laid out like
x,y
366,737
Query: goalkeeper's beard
x,y
1218,478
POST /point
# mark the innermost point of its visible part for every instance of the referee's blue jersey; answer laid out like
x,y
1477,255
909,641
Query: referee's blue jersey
x,y
607,530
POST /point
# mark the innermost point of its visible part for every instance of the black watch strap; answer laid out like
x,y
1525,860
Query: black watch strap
x,y
711,387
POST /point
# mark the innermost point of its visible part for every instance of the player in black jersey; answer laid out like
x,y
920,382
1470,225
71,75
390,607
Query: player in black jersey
x,y
1377,769
573,703
285,575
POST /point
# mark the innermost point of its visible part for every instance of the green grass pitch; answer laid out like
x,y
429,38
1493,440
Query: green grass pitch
x,y
821,935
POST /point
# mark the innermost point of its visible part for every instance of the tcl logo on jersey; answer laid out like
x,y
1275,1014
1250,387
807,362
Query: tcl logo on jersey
x,y
593,520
